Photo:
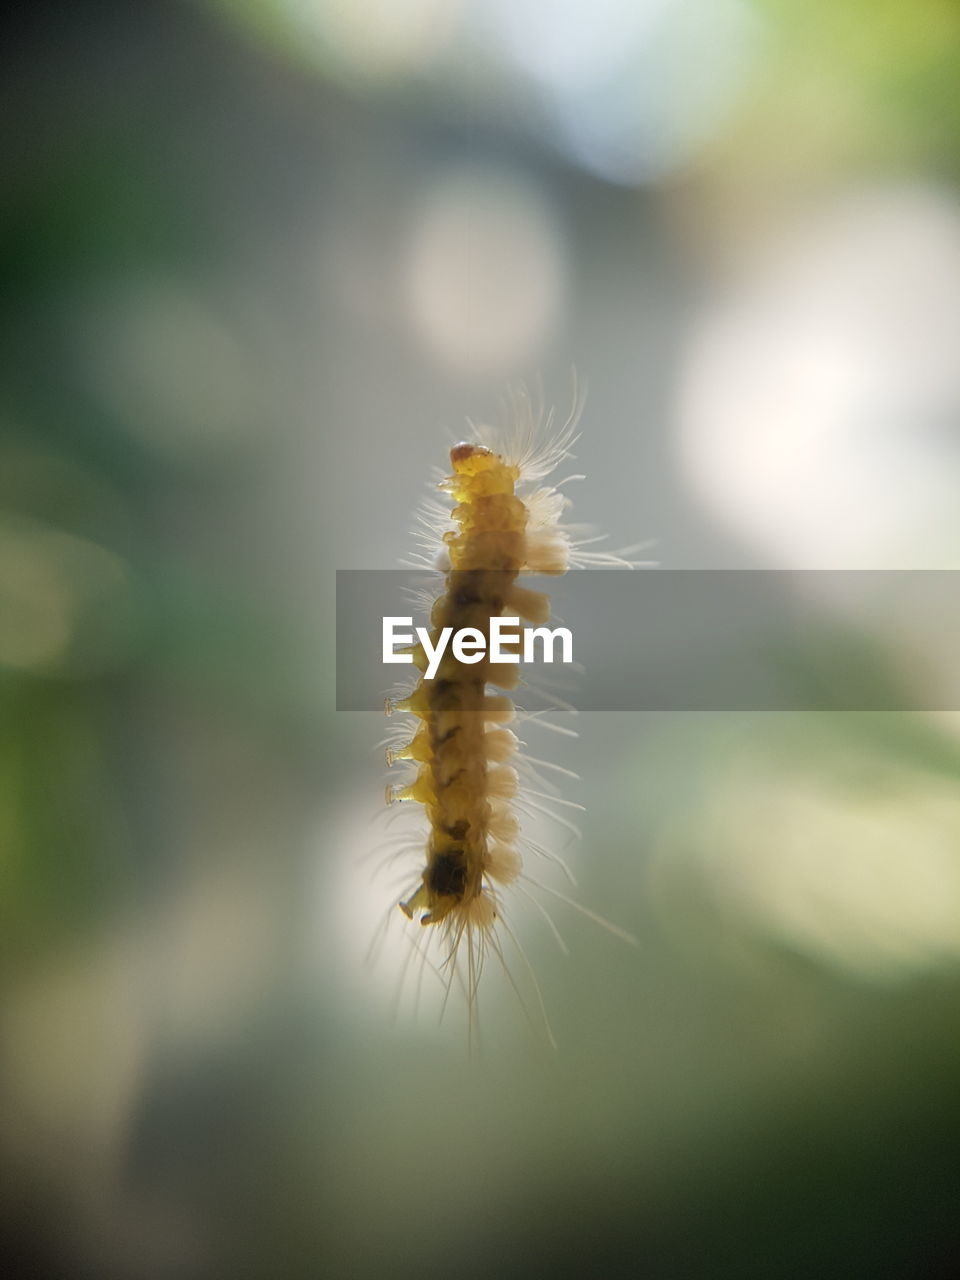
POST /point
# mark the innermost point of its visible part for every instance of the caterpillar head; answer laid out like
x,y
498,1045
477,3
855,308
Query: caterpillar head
x,y
478,472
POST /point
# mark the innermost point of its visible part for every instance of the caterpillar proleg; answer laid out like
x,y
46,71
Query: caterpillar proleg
x,y
471,776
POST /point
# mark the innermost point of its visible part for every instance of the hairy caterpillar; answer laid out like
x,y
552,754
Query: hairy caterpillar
x,y
505,522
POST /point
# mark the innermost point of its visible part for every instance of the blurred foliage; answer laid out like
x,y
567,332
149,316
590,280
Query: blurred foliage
x,y
861,83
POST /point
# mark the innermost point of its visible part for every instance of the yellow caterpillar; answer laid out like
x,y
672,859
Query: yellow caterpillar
x,y
505,522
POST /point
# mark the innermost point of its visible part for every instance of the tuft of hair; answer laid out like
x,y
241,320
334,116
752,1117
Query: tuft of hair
x,y
529,438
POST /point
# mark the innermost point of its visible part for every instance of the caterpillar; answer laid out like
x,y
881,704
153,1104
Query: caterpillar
x,y
505,522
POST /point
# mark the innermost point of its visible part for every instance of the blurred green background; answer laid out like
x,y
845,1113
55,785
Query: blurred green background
x,y
259,259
